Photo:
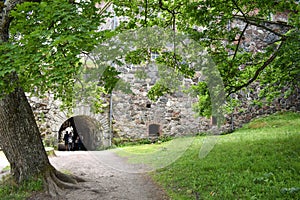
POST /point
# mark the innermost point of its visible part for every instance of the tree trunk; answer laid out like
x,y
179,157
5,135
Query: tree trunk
x,y
19,134
20,137
23,147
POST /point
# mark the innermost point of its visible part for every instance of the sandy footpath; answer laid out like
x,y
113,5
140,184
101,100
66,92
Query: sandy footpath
x,y
108,176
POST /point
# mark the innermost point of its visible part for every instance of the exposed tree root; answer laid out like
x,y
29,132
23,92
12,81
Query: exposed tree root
x,y
69,178
55,182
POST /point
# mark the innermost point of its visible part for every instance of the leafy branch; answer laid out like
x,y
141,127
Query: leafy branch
x,y
253,21
258,71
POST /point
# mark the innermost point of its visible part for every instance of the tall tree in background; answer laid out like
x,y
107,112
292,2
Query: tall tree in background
x,y
40,44
250,42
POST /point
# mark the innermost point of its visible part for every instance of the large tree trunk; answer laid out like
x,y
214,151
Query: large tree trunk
x,y
19,134
20,137
23,147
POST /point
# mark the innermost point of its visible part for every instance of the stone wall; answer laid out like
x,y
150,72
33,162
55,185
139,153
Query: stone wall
x,y
255,38
134,113
247,110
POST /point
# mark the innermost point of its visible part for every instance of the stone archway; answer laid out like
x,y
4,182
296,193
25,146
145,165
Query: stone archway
x,y
88,130
50,118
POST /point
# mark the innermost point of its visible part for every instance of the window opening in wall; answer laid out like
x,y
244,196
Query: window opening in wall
x,y
154,130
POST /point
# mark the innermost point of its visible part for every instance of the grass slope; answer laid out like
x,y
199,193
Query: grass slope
x,y
259,161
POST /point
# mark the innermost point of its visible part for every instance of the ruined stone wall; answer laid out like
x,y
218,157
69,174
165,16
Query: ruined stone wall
x,y
133,113
255,38
47,113
247,110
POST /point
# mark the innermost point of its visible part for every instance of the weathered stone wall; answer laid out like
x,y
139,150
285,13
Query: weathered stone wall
x,y
255,38
247,110
47,112
133,113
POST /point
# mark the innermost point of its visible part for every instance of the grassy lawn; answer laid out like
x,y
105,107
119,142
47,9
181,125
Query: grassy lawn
x,y
9,190
259,161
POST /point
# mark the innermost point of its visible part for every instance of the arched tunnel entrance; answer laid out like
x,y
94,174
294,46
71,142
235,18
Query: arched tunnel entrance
x,y
80,133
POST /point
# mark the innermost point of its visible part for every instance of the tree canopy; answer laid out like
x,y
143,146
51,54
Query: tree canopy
x,y
248,42
47,38
45,44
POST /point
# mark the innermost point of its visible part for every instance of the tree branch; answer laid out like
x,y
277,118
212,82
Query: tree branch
x,y
239,9
254,23
253,20
105,7
146,12
258,71
161,5
239,41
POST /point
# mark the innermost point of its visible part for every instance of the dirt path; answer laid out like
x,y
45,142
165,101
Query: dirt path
x,y
108,177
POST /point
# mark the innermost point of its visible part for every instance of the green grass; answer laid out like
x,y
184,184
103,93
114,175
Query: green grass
x,y
259,161
156,155
5,169
11,191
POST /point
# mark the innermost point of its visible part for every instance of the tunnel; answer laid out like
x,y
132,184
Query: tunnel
x,y
87,134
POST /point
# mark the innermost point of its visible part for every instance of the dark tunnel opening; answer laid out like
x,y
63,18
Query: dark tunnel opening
x,y
80,133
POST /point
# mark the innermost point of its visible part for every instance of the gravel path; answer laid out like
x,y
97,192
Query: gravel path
x,y
108,176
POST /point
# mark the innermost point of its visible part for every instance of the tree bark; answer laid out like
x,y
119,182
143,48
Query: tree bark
x,y
22,145
20,137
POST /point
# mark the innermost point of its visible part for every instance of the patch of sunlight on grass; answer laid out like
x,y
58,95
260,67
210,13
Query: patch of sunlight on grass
x,y
156,155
